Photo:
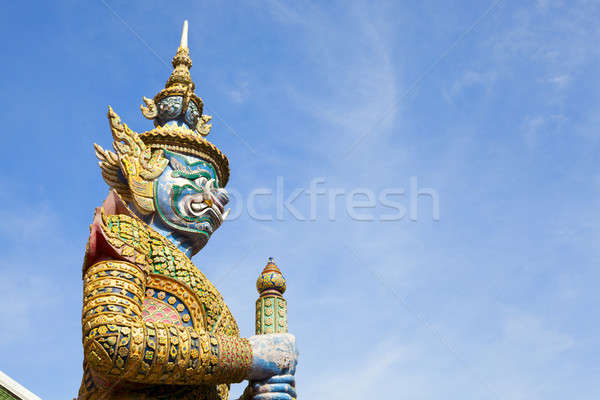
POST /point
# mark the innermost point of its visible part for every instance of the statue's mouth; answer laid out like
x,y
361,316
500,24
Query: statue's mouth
x,y
197,207
210,204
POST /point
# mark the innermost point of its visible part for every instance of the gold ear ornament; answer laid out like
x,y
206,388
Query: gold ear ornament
x,y
139,164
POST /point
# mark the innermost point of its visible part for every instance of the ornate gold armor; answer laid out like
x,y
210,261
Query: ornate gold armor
x,y
154,327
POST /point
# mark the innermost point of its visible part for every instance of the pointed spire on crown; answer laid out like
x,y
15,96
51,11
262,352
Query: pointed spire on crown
x,y
184,35
182,64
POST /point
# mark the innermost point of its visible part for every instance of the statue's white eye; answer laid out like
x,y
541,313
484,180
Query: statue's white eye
x,y
200,182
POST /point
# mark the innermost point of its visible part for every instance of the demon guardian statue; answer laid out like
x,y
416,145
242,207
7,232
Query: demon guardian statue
x,y
153,326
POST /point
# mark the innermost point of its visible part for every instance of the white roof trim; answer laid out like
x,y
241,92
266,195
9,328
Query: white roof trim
x,y
13,387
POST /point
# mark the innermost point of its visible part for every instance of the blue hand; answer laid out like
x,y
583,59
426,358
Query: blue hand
x,y
280,387
273,354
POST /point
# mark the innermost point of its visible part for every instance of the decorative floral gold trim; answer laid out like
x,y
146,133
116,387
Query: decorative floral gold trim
x,y
184,293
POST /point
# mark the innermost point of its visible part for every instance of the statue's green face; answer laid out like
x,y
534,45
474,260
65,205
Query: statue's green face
x,y
188,199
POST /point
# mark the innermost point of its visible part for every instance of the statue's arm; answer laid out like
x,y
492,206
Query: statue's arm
x,y
119,345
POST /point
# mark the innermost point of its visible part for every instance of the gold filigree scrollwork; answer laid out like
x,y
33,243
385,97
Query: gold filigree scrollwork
x,y
203,126
150,110
111,172
138,163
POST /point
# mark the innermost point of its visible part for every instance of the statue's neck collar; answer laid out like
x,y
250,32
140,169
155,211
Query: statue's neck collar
x,y
179,240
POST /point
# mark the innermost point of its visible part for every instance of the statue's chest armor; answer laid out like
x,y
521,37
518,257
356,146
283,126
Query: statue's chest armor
x,y
189,297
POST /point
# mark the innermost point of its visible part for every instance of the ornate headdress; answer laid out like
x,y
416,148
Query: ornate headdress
x,y
180,126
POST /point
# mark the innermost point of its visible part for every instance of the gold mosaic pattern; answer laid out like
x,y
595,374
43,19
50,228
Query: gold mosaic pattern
x,y
118,343
120,347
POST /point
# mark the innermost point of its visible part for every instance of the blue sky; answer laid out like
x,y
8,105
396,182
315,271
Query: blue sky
x,y
494,105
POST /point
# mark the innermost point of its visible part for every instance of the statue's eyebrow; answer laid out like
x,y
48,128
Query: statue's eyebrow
x,y
193,174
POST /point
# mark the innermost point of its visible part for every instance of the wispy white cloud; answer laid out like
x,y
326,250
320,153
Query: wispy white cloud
x,y
468,80
561,81
367,376
528,333
239,93
353,67
32,289
28,299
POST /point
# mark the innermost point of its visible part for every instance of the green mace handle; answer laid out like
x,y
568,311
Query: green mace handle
x,y
271,307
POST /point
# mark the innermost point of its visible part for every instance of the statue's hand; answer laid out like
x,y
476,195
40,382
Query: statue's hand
x,y
273,354
280,387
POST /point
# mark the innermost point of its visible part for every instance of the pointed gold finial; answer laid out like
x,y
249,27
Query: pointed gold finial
x,y
184,36
182,64
271,280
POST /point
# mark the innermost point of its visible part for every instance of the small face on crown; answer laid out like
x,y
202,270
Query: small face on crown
x,y
170,108
188,198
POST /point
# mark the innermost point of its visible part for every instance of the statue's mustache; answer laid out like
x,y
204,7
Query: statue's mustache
x,y
211,201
